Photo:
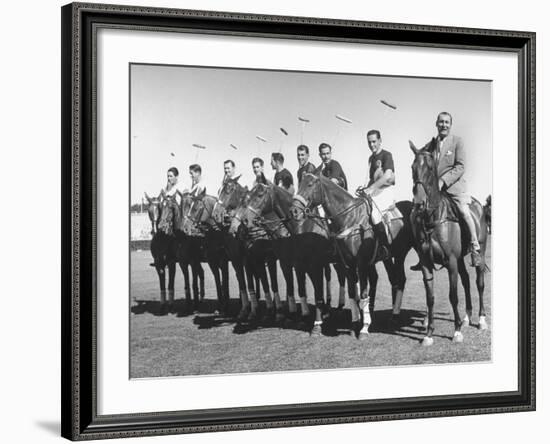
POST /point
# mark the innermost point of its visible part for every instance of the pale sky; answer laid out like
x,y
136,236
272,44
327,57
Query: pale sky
x,y
173,107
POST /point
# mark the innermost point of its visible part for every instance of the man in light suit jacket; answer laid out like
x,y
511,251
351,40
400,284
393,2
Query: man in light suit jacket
x,y
448,151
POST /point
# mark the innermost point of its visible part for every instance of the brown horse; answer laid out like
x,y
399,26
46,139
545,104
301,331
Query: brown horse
x,y
302,246
163,249
199,222
349,222
259,252
441,239
181,249
230,197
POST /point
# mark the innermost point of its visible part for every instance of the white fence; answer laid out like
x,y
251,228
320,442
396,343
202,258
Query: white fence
x,y
140,227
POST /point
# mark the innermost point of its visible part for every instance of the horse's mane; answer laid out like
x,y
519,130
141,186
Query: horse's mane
x,y
337,189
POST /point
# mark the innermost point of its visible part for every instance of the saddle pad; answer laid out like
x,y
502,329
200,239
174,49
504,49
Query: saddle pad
x,y
392,213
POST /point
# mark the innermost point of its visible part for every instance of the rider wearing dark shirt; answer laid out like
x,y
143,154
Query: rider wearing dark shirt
x,y
331,168
303,160
282,177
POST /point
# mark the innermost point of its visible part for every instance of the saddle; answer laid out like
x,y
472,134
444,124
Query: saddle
x,y
448,211
392,219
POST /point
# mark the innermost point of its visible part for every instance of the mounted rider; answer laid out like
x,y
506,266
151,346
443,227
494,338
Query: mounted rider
x,y
282,177
258,170
448,151
331,168
197,187
302,153
379,188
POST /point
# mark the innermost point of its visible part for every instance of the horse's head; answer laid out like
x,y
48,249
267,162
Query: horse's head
x,y
199,213
260,199
230,197
169,215
241,215
154,212
309,195
424,173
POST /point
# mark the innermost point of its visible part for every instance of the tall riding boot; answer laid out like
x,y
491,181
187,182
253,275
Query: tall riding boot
x,y
383,250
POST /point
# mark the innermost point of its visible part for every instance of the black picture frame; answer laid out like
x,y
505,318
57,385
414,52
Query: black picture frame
x,y
80,420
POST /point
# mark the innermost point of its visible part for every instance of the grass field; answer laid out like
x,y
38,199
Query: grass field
x,y
200,344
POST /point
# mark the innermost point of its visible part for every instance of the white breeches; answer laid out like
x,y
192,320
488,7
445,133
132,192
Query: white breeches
x,y
381,203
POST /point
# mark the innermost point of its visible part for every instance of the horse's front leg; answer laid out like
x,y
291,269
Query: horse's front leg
x,y
238,266
286,267
328,276
252,299
480,282
171,285
214,268
272,269
184,266
301,279
364,271
453,297
396,276
428,278
224,266
465,279
341,273
161,272
316,276
354,299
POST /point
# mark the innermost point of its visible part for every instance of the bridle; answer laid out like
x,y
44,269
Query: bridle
x,y
196,221
166,222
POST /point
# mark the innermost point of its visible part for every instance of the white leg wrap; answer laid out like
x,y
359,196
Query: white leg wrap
x,y
291,303
277,299
305,307
253,299
342,296
483,323
268,299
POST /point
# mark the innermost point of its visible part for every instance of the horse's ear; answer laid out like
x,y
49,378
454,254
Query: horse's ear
x,y
413,147
202,193
147,197
162,194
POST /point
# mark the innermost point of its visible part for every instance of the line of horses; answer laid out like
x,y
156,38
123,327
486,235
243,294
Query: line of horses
x,y
256,229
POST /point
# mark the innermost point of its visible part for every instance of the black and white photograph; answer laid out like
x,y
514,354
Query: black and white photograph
x,y
293,220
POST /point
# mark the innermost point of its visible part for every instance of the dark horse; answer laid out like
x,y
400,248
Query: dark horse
x,y
349,222
163,250
230,197
299,245
442,239
258,252
168,246
199,224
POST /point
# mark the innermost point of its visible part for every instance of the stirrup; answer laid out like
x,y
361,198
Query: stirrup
x,y
416,267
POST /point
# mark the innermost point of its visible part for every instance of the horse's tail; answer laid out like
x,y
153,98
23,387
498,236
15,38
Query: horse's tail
x,y
487,215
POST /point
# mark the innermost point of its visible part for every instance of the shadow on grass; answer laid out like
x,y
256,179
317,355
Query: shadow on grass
x,y
206,316
407,324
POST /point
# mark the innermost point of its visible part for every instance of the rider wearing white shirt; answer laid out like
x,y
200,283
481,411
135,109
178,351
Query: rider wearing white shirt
x,y
172,184
195,171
